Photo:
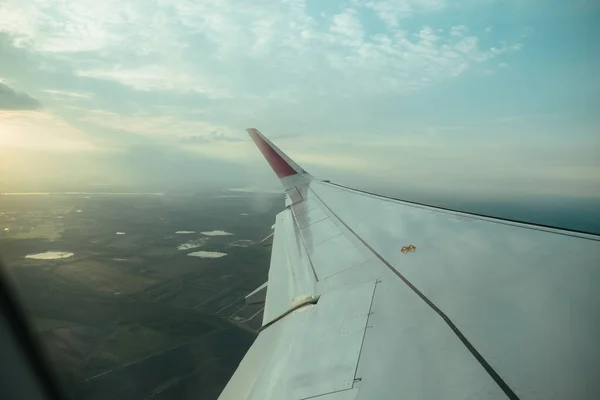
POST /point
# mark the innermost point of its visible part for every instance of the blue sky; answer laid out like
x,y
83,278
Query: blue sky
x,y
490,98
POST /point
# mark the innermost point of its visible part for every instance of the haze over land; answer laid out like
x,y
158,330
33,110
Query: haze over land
x,y
151,312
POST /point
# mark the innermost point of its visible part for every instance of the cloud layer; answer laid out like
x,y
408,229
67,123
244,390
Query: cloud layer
x,y
12,100
364,87
266,50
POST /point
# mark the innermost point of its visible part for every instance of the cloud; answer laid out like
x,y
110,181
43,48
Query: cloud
x,y
158,78
458,30
170,128
65,27
63,94
12,100
181,79
392,11
271,52
214,136
43,131
348,26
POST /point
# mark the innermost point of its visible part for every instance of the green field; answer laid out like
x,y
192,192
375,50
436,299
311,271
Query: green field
x,y
125,300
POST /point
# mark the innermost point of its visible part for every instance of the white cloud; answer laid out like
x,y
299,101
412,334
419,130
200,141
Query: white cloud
x,y
63,26
427,35
458,30
267,51
392,11
62,94
158,78
347,25
171,127
467,45
257,62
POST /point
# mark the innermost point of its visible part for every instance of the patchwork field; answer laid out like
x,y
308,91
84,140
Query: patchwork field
x,y
117,285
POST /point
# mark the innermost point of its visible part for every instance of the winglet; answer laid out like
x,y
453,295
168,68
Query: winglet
x,y
281,164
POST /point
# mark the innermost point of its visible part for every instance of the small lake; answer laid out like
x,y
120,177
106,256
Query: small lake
x,y
207,254
216,233
50,255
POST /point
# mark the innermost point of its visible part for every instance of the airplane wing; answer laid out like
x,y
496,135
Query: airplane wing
x,y
375,298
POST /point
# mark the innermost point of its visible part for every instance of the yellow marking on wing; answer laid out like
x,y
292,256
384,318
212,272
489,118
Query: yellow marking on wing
x,y
409,248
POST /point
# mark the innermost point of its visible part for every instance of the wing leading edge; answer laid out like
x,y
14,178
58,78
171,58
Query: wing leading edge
x,y
479,308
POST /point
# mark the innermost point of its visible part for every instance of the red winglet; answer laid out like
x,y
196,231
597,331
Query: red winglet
x,y
280,163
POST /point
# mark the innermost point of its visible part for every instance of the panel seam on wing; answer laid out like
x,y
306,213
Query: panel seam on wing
x,y
508,391
365,333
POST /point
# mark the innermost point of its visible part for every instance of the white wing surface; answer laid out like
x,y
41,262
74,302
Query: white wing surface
x,y
375,298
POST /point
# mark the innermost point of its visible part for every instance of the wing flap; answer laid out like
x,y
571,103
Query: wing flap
x,y
287,361
258,295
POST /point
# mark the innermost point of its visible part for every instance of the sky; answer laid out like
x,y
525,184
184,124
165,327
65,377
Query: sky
x,y
482,98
